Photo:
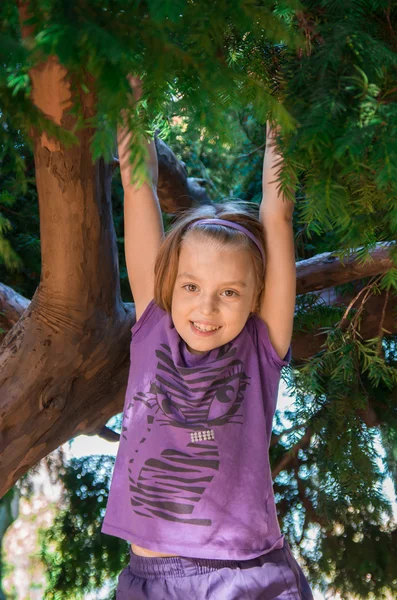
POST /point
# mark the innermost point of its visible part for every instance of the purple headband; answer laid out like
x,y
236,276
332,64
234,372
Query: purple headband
x,y
233,226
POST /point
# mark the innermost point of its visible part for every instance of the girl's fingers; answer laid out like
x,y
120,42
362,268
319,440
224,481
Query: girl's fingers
x,y
136,86
272,130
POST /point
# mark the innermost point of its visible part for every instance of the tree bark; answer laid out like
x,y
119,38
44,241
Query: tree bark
x,y
177,191
326,270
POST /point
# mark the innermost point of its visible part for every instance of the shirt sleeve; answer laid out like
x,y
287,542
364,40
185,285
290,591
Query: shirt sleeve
x,y
264,342
148,319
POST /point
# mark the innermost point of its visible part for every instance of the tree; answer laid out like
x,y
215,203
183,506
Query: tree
x,y
332,67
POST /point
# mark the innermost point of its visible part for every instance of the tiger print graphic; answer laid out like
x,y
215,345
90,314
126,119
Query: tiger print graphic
x,y
197,401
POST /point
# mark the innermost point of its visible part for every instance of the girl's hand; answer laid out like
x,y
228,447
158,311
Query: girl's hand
x,y
124,138
273,201
136,87
272,131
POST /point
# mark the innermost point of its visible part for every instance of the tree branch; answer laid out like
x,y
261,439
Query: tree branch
x,y
311,513
277,437
367,290
382,330
175,189
291,454
108,434
326,270
12,306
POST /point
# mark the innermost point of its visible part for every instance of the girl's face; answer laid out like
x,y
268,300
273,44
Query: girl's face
x,y
215,286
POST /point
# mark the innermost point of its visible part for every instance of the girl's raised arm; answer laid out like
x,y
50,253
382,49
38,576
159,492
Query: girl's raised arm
x,y
278,303
143,225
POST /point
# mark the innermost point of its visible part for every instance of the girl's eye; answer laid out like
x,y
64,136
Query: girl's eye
x,y
192,285
232,293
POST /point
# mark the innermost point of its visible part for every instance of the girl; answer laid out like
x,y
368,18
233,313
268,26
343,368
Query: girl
x,y
191,488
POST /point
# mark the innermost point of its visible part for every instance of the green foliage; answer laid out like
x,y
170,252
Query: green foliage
x,y
78,557
200,71
341,91
20,234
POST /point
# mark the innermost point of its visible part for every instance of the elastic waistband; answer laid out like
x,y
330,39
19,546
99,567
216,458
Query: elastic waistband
x,y
182,566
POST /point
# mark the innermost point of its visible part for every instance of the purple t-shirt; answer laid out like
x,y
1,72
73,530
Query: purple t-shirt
x,y
192,474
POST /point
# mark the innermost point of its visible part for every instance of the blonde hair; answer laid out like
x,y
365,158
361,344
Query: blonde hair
x,y
238,211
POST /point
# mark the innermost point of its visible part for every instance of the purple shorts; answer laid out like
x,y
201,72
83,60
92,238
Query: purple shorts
x,y
272,576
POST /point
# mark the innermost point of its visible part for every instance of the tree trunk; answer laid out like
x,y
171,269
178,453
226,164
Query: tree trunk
x,y
68,354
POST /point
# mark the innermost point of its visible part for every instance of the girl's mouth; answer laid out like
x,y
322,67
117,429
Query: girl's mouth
x,y
202,333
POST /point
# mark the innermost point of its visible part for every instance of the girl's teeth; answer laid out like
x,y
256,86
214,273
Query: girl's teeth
x,y
202,328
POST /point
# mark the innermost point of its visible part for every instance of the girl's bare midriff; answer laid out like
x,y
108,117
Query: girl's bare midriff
x,y
149,553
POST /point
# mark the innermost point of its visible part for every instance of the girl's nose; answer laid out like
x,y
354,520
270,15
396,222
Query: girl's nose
x,y
208,304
